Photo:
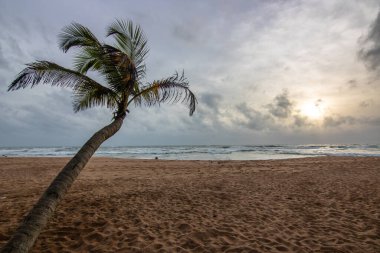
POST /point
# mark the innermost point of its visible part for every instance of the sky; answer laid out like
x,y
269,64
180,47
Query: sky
x,y
264,72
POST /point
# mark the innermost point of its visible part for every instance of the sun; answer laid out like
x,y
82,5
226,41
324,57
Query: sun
x,y
313,110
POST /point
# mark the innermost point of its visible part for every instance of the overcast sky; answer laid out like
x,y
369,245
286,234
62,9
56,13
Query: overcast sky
x,y
264,72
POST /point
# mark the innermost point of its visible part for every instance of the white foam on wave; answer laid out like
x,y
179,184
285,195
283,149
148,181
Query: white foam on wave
x,y
226,152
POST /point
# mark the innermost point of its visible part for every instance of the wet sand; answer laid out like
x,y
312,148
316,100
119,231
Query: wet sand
x,y
327,204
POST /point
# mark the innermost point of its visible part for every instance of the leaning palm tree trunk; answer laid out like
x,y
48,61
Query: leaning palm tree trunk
x,y
26,234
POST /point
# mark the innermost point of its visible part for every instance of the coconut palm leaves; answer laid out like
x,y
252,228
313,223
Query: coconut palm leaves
x,y
48,72
77,35
131,43
172,89
121,64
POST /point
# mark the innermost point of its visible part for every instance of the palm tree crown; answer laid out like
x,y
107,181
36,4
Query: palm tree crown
x,y
121,64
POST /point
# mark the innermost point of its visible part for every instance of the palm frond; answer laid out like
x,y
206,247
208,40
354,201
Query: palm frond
x,y
119,71
48,73
130,39
89,58
77,35
114,75
140,71
90,95
172,90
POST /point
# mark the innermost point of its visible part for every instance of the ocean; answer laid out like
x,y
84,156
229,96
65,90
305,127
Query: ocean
x,y
213,152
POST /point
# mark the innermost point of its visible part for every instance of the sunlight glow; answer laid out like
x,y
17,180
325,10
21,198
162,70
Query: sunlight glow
x,y
313,110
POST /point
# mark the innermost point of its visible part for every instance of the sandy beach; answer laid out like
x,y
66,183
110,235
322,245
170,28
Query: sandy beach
x,y
327,204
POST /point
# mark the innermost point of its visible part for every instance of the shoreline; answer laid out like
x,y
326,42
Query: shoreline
x,y
323,204
195,160
205,152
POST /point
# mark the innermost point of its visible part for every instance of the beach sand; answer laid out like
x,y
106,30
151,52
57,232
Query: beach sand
x,y
327,204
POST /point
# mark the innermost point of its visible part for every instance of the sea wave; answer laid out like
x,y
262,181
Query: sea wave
x,y
213,152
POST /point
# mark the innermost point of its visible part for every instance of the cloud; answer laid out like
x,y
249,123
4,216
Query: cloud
x,y
184,33
336,121
371,121
282,106
211,100
339,120
366,103
301,121
254,119
3,62
370,52
211,115
352,84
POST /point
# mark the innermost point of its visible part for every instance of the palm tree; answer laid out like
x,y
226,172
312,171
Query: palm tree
x,y
122,66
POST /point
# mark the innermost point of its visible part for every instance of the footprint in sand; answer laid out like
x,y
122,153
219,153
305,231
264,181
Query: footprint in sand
x,y
184,227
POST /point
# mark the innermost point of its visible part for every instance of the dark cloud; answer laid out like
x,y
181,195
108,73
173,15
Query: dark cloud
x,y
301,121
184,33
352,84
338,120
370,121
318,102
208,115
366,103
211,100
255,120
370,52
281,106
